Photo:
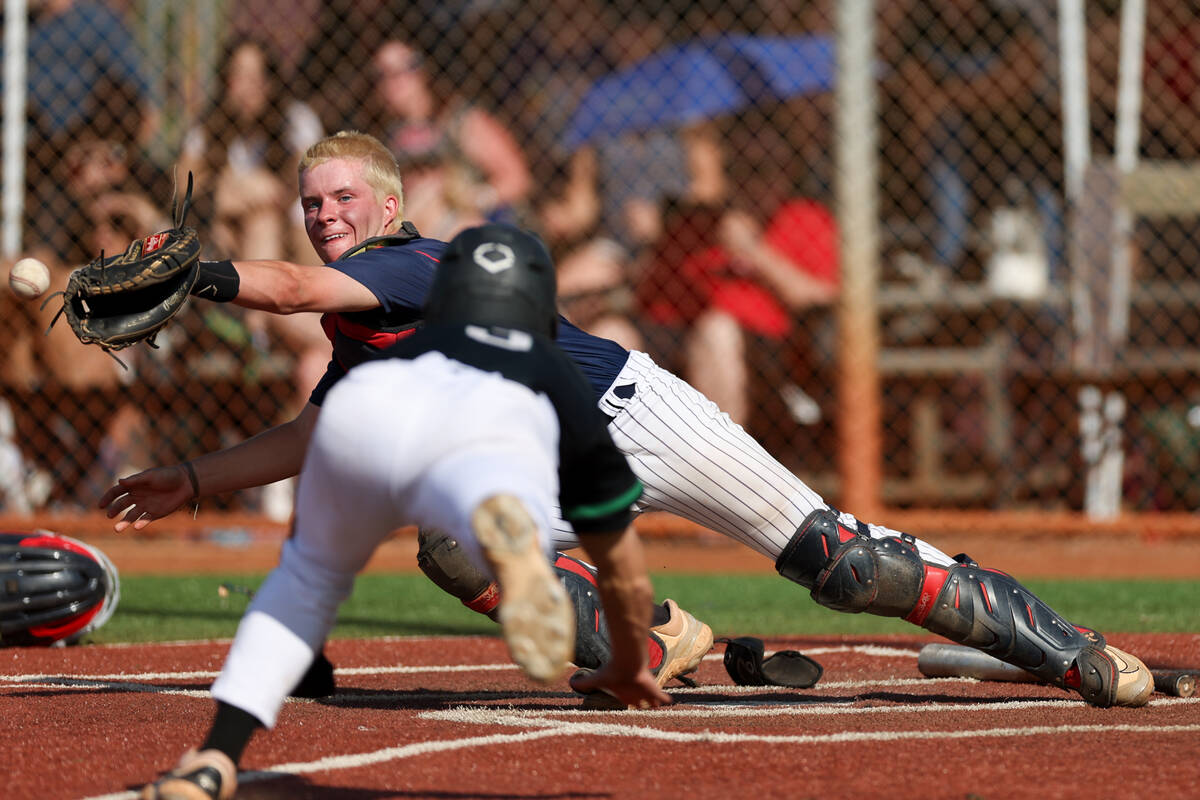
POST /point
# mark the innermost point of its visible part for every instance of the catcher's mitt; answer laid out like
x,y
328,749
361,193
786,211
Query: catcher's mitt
x,y
122,300
53,589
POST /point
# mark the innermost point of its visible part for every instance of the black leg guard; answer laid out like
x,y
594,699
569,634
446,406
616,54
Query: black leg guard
x,y
445,563
990,610
592,643
851,571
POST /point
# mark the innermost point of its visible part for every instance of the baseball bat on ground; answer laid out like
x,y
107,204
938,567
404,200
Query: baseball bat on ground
x,y
957,661
1178,683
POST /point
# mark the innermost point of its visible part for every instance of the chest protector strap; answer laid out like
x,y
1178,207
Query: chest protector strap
x,y
407,233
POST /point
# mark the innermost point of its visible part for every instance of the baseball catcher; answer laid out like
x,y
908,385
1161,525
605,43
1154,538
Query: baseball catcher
x,y
121,300
53,589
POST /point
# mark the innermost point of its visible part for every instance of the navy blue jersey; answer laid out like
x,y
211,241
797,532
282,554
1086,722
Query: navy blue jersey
x,y
596,485
399,275
405,272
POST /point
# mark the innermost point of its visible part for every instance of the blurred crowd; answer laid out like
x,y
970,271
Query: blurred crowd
x,y
706,238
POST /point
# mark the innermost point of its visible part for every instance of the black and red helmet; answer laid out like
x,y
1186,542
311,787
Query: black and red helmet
x,y
53,589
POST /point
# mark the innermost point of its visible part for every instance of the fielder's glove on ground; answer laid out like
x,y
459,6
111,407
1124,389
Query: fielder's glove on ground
x,y
745,664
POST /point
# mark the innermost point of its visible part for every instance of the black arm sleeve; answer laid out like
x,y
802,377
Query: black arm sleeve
x,y
217,281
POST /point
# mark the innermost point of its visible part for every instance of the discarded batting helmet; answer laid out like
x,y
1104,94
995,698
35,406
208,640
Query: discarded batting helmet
x,y
53,589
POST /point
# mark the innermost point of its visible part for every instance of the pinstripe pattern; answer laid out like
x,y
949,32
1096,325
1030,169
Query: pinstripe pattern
x,y
697,464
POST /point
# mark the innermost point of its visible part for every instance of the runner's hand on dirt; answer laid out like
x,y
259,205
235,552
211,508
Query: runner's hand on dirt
x,y
637,691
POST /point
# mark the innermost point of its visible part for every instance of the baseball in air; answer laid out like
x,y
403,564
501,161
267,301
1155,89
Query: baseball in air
x,y
29,278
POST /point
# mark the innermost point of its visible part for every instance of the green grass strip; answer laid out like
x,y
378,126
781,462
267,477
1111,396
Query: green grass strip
x,y
170,608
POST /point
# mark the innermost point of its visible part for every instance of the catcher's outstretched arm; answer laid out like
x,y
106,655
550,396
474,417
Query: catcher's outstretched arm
x,y
282,287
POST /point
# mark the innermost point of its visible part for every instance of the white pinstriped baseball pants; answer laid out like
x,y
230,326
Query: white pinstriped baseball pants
x,y
696,463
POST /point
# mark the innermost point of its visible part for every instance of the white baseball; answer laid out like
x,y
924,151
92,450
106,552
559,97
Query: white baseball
x,y
29,278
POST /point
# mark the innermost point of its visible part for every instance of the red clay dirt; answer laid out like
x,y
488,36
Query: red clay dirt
x,y
457,720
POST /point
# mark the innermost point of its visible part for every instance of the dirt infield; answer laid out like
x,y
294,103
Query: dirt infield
x,y
452,718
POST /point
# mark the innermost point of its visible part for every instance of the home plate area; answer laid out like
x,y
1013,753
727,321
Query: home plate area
x,y
453,717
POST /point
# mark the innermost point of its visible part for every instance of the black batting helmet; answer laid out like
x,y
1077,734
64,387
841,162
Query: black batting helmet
x,y
495,275
53,588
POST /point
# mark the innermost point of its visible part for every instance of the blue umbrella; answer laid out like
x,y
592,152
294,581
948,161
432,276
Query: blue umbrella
x,y
699,80
676,86
784,66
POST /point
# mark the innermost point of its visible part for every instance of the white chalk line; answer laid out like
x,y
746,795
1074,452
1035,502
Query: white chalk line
x,y
357,760
807,707
139,683
18,679
544,726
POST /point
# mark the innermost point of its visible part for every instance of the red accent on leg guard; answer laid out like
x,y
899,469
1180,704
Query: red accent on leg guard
x,y
1073,679
656,652
935,579
486,601
571,565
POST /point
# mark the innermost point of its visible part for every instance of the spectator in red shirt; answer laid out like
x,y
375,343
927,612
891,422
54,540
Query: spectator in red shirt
x,y
723,278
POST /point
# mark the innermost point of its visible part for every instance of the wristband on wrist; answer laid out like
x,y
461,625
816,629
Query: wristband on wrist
x,y
217,281
192,479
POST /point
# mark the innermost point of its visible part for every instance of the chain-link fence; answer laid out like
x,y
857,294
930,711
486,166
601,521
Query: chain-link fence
x,y
1035,299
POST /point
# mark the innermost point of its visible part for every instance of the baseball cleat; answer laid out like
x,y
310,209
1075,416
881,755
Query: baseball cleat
x,y
676,649
678,645
203,775
318,681
1110,677
536,615
1134,681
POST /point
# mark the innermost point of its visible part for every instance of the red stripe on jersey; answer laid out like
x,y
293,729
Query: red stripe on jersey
x,y
333,324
